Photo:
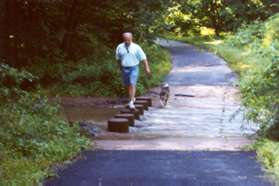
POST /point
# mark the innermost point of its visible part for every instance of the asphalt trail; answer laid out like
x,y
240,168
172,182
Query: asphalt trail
x,y
197,72
163,168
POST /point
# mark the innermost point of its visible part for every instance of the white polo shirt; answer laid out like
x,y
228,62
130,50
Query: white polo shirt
x,y
131,55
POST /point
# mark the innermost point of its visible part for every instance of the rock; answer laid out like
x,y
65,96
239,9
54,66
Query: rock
x,y
143,98
130,117
143,103
120,125
89,128
139,107
131,111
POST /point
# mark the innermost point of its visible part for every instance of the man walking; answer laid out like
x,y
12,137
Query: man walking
x,y
128,56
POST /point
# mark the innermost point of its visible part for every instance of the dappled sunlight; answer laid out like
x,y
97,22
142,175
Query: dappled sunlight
x,y
191,143
62,66
205,31
192,69
246,52
215,42
242,66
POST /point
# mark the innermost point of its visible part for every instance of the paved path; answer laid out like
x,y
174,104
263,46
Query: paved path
x,y
209,119
210,112
168,146
163,168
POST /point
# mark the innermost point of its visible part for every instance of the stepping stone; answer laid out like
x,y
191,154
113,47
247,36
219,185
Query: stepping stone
x,y
142,102
139,107
130,111
130,117
143,98
120,125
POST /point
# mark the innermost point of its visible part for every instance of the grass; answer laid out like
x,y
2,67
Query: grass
x,y
33,135
268,153
34,138
27,161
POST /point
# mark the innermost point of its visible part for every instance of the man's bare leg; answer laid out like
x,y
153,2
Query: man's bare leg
x,y
132,92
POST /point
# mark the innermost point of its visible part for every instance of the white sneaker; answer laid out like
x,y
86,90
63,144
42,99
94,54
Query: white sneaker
x,y
131,105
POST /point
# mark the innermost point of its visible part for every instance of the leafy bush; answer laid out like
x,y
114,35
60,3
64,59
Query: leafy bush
x,y
33,136
186,17
10,81
100,75
159,61
268,153
260,83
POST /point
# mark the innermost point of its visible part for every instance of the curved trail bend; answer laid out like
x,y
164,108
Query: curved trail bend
x,y
208,119
169,147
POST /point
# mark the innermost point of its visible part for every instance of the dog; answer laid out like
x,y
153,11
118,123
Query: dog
x,y
164,94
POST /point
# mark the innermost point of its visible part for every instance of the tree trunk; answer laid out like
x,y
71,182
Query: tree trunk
x,y
74,14
3,42
68,25
9,35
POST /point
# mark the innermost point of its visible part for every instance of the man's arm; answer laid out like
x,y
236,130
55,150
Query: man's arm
x,y
146,67
119,63
142,57
117,56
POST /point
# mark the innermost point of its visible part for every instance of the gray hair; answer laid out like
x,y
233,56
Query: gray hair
x,y
128,34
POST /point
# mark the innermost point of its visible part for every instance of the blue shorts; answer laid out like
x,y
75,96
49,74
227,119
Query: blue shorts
x,y
130,75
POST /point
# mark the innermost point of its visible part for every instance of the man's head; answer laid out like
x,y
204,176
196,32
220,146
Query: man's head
x,y
127,37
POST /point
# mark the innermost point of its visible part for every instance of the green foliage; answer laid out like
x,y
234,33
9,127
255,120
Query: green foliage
x,y
64,48
75,29
159,60
260,83
69,45
100,75
67,48
268,153
10,81
33,136
188,17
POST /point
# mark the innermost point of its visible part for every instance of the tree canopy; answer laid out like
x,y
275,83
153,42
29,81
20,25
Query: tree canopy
x,y
72,28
